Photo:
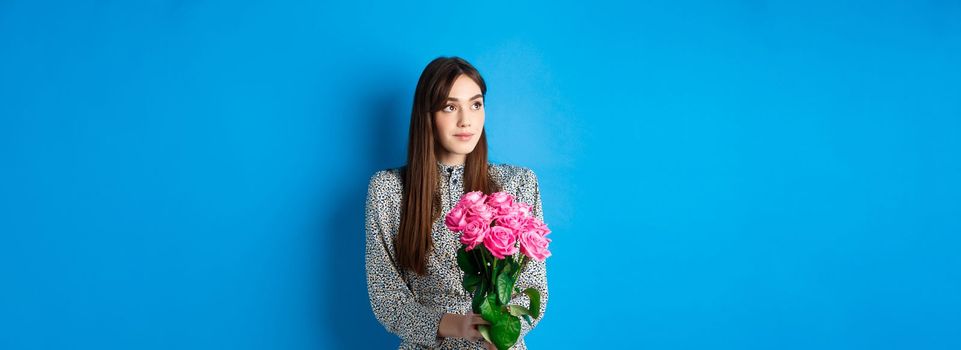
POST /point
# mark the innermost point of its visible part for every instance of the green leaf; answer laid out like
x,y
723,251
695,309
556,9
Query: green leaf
x,y
501,264
479,296
504,283
470,282
504,328
517,310
528,319
535,297
505,333
489,309
466,262
485,331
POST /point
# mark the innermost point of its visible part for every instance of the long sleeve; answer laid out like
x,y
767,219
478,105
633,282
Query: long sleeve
x,y
392,301
535,273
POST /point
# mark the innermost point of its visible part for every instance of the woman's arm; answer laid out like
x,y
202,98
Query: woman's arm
x,y
391,300
460,326
534,275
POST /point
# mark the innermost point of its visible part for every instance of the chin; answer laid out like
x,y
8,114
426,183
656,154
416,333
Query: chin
x,y
466,151
462,149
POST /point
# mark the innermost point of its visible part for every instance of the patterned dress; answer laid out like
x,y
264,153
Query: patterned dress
x,y
411,306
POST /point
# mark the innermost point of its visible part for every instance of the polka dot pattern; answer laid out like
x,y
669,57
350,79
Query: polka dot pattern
x,y
411,306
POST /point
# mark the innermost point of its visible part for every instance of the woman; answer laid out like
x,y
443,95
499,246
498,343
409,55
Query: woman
x,y
413,279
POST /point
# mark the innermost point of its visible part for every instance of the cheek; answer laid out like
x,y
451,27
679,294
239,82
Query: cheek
x,y
441,124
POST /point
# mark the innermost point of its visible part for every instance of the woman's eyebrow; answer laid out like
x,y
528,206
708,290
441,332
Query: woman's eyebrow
x,y
472,98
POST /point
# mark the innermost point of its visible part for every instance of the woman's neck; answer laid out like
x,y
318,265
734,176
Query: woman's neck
x,y
452,159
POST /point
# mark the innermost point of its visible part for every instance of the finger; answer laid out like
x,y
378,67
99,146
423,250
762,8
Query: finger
x,y
474,334
477,319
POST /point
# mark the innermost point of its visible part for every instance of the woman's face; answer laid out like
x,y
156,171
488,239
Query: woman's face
x,y
460,122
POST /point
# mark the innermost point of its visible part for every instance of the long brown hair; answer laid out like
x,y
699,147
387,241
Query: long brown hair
x,y
421,197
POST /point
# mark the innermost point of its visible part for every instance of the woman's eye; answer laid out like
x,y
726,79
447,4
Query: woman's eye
x,y
449,108
477,105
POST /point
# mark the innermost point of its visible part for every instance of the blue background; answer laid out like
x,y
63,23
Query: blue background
x,y
731,175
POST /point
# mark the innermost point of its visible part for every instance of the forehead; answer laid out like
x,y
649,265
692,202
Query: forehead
x,y
464,88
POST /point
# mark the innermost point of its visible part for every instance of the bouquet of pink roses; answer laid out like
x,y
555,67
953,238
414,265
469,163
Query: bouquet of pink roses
x,y
494,229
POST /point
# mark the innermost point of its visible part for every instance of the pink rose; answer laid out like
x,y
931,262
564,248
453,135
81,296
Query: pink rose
x,y
534,244
480,211
516,223
517,209
472,198
500,241
456,219
534,241
523,208
501,202
474,233
535,224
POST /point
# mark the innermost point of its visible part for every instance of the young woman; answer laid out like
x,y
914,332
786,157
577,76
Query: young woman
x,y
413,280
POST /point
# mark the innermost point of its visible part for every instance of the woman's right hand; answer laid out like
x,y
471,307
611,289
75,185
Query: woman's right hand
x,y
460,326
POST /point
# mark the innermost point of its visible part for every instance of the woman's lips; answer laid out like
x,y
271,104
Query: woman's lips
x,y
464,137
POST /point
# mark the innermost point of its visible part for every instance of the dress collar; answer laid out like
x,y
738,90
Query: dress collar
x,y
450,168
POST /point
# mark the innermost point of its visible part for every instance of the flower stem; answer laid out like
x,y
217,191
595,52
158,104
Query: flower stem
x,y
523,264
483,255
494,269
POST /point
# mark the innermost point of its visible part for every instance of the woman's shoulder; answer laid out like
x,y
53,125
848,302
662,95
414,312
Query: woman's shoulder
x,y
513,173
385,180
389,174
